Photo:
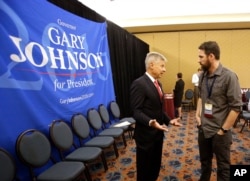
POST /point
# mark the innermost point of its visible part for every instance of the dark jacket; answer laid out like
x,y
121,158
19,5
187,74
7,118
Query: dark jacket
x,y
146,105
178,92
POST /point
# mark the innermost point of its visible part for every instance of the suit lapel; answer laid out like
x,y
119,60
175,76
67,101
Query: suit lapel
x,y
152,87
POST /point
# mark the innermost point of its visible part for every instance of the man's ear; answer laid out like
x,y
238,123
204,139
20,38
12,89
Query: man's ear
x,y
211,55
151,64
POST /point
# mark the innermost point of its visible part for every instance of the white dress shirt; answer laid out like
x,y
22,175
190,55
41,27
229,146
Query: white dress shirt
x,y
195,79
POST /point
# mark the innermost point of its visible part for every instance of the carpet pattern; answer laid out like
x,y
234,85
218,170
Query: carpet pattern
x,y
180,159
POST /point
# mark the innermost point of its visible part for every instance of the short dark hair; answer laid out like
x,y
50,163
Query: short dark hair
x,y
179,75
211,47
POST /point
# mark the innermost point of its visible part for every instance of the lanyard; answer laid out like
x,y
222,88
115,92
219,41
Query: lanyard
x,y
209,89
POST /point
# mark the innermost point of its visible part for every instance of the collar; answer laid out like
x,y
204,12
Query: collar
x,y
150,77
218,71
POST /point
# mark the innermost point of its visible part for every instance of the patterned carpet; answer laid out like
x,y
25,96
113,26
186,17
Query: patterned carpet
x,y
180,159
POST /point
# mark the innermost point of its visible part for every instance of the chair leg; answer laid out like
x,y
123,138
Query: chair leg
x,y
243,126
87,173
236,121
124,140
104,161
131,131
115,149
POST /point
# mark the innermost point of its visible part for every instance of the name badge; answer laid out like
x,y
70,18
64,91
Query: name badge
x,y
208,110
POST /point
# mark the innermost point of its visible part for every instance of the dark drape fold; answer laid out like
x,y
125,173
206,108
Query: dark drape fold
x,y
127,52
79,9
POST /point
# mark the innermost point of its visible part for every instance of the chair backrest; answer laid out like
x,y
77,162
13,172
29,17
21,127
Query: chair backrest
x,y
104,113
115,110
33,148
80,126
7,166
61,135
94,119
189,94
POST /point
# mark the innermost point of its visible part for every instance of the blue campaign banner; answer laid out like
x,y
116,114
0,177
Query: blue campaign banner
x,y
52,64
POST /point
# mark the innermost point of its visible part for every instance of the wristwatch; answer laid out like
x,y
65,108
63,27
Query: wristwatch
x,y
224,131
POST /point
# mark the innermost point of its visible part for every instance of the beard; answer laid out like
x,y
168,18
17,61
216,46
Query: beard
x,y
205,67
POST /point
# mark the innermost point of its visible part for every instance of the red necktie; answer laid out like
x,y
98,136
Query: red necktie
x,y
158,88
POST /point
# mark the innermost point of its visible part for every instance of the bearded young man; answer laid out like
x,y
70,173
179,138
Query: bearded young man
x,y
218,106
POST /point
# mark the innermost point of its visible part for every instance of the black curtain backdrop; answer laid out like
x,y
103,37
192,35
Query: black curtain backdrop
x,y
79,9
127,52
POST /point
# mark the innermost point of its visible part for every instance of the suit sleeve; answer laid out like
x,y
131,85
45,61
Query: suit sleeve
x,y
137,96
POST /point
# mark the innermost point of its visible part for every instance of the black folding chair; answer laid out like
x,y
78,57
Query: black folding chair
x,y
34,150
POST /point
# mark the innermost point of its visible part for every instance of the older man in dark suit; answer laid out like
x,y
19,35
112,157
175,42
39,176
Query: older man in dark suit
x,y
146,98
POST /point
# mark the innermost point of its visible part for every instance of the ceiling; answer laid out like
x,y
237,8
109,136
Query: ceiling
x,y
172,15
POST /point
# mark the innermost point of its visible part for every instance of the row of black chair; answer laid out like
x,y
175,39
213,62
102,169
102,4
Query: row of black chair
x,y
245,116
100,129
7,166
34,148
187,102
245,112
130,121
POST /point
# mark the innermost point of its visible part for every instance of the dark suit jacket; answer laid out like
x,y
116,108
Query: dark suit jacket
x,y
146,105
178,92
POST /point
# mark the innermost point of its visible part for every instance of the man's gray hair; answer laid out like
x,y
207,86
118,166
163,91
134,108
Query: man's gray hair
x,y
154,56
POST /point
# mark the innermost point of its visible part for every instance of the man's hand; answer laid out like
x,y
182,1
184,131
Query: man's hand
x,y
156,125
220,132
176,122
198,120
